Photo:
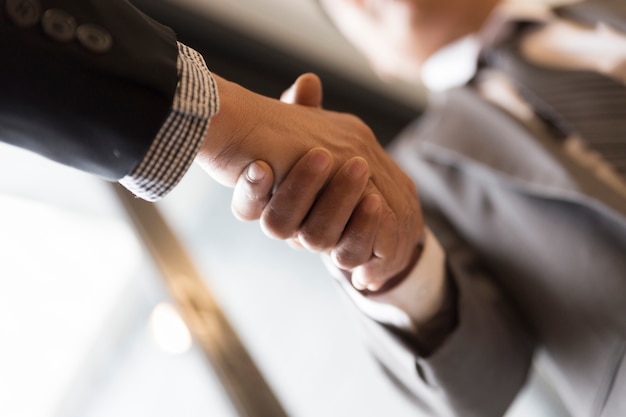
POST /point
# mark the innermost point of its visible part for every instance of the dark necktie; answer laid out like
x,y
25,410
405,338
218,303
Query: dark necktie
x,y
584,103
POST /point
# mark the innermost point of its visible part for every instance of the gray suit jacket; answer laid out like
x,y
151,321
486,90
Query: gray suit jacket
x,y
537,249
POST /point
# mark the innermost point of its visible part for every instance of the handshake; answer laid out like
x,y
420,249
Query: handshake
x,y
317,179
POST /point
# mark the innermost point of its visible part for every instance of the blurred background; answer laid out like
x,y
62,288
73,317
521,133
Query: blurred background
x,y
87,326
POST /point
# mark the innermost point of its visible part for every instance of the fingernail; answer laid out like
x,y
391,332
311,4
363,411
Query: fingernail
x,y
255,173
357,168
319,161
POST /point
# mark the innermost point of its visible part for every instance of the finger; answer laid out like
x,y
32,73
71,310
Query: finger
x,y
305,91
294,197
367,276
294,243
252,191
328,218
373,274
391,252
387,237
356,244
387,250
359,275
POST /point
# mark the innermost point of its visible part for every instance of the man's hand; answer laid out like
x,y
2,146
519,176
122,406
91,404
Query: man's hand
x,y
343,219
326,202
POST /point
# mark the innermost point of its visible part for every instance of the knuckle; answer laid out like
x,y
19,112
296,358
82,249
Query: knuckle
x,y
358,125
352,252
242,214
253,195
316,238
347,258
295,189
353,119
244,209
275,224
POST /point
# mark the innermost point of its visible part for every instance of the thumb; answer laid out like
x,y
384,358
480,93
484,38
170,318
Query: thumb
x,y
305,91
252,191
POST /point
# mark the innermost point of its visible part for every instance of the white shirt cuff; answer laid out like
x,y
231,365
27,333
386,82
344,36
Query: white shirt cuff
x,y
405,305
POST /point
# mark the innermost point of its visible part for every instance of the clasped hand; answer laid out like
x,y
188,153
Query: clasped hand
x,y
316,178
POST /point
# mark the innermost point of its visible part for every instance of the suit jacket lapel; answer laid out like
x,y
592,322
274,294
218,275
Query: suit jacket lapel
x,y
463,129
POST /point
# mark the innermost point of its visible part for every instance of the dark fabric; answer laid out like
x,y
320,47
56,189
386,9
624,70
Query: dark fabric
x,y
98,112
585,103
610,12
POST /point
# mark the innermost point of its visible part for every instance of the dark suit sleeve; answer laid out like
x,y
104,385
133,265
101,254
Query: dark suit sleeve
x,y
86,83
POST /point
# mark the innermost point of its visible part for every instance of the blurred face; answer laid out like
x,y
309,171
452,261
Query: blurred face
x,y
385,31
398,36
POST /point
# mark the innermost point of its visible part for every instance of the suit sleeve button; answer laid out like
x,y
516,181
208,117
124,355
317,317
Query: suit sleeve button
x,y
94,38
59,25
23,13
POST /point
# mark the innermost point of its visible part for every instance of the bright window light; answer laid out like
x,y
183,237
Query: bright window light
x,y
168,330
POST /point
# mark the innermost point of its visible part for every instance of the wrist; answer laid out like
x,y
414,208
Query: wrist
x,y
221,154
427,283
422,308
431,334
429,299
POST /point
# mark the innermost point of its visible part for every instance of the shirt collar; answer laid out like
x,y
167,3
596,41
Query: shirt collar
x,y
456,64
452,66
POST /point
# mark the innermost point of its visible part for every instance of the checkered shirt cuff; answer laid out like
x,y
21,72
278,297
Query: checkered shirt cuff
x,y
180,138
